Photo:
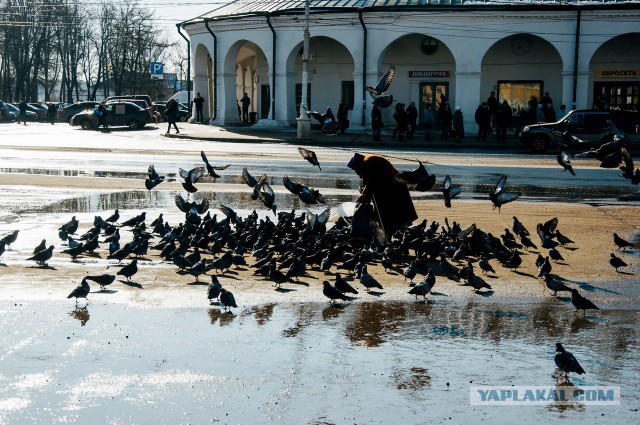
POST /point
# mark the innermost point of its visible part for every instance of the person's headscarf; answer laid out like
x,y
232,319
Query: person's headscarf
x,y
355,161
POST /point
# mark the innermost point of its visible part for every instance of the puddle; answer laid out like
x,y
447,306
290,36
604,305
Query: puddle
x,y
308,363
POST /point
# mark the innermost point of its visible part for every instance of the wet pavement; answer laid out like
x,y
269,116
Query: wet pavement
x,y
373,362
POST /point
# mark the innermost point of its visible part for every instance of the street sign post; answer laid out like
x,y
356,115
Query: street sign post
x,y
157,70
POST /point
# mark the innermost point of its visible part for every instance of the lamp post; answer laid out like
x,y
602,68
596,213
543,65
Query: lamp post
x,y
304,124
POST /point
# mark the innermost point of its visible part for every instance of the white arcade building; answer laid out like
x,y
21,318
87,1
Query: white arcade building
x,y
581,52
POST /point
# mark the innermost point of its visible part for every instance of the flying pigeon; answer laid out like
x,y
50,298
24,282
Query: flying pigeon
x,y
499,196
315,220
419,177
566,362
190,177
252,182
565,162
449,191
153,179
384,83
306,194
310,156
210,168
328,123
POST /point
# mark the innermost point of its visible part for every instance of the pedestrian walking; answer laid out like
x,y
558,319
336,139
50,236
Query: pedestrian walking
x,y
171,112
504,120
446,118
198,103
412,119
458,124
493,103
101,113
376,122
246,101
22,116
343,117
52,113
428,121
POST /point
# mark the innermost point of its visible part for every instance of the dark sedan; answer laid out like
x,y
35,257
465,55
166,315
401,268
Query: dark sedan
x,y
66,112
5,114
117,114
31,116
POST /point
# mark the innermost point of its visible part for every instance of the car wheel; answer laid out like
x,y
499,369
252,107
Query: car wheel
x,y
86,124
134,124
539,144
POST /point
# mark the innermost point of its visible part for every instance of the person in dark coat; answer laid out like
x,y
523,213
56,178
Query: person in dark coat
x,y
483,119
392,204
246,101
198,102
428,121
22,116
171,113
446,118
400,117
549,113
458,124
502,123
494,104
101,112
412,119
343,117
52,113
376,122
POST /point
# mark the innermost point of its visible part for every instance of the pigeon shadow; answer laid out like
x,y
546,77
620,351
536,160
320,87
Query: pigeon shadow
x,y
105,291
438,294
626,273
563,299
131,283
559,263
350,298
485,293
492,276
197,282
45,267
375,293
298,282
285,290
524,274
571,248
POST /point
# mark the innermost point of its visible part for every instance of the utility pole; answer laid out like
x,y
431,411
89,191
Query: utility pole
x,y
304,124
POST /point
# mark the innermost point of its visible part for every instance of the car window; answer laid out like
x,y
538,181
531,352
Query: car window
x,y
576,119
597,123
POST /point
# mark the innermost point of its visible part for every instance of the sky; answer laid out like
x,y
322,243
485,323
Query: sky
x,y
170,12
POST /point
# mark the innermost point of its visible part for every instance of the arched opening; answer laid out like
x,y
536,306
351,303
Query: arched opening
x,y
425,74
203,80
616,79
246,70
330,77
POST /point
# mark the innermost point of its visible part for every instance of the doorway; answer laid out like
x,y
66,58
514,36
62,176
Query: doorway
x,y
434,93
617,95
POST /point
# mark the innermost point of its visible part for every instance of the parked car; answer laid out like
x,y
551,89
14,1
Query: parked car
x,y
41,114
183,111
6,115
144,97
66,112
31,116
118,114
590,126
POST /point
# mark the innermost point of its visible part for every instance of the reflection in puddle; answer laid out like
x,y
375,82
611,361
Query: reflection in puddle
x,y
217,315
413,379
81,314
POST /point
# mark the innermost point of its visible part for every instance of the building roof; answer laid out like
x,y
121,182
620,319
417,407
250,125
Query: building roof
x,y
259,7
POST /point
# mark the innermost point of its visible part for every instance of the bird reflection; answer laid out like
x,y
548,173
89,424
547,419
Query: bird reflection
x,y
413,379
215,315
81,314
332,311
565,390
263,313
580,323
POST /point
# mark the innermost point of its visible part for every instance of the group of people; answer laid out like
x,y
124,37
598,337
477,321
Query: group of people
x,y
492,114
406,121
23,106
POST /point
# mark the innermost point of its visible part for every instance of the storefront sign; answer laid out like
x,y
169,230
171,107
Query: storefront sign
x,y
429,74
619,73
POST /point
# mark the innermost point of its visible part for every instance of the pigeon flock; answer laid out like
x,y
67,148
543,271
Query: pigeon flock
x,y
284,246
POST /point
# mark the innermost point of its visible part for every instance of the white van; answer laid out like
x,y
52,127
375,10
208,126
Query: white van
x,y
183,97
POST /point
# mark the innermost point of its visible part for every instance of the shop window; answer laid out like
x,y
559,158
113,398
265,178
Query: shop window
x,y
519,93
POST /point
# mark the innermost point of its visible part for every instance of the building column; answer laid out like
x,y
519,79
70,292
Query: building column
x,y
356,114
582,91
228,103
468,98
567,90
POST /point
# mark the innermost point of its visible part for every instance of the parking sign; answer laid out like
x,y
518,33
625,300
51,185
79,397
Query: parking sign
x,y
157,69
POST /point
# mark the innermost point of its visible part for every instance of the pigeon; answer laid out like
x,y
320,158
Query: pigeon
x,y
343,286
562,239
424,286
328,123
310,156
410,272
477,283
383,84
368,281
317,220
253,183
306,194
555,285
485,266
10,238
210,168
621,243
227,299
449,191
555,255
566,362
545,268
102,279
382,101
629,171
153,179
214,289
134,221
81,291
419,177
129,270
71,226
190,177
113,217
518,228
267,196
42,245
581,303
75,251
617,262
191,207
499,196
41,257
332,293
565,162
